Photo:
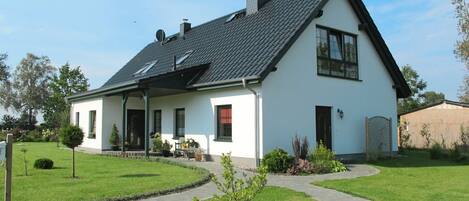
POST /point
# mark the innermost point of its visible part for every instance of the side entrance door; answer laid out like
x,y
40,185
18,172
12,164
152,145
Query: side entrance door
x,y
324,126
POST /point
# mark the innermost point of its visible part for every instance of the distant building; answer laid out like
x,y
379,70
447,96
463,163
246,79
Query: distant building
x,y
444,120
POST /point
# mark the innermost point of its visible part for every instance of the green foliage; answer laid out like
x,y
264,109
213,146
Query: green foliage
x,y
425,133
29,89
31,136
404,141
418,97
157,144
68,81
44,163
49,135
323,160
277,161
9,122
114,140
337,166
464,136
436,151
238,189
322,153
71,136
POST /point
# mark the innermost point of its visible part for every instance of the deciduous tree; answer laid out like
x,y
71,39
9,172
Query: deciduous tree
x,y
68,81
462,45
30,86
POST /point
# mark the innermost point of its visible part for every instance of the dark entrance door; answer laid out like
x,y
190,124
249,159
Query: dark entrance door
x,y
135,129
323,126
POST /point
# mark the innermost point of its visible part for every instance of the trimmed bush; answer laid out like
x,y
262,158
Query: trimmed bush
x,y
436,151
44,163
277,161
114,139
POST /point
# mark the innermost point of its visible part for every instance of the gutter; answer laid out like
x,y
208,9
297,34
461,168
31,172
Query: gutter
x,y
256,108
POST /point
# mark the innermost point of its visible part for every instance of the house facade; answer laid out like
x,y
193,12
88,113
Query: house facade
x,y
442,120
248,82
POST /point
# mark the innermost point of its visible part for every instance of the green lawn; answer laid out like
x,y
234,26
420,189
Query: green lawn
x,y
99,177
414,177
271,193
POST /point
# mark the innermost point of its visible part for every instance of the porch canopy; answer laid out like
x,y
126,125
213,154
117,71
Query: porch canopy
x,y
170,83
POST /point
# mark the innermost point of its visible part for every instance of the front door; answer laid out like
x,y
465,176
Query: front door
x,y
323,126
135,129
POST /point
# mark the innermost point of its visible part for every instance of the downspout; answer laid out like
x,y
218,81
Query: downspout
x,y
256,108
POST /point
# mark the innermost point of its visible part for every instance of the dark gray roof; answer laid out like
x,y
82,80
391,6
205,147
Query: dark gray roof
x,y
248,47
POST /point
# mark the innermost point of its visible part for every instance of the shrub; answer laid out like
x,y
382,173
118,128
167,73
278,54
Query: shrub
x,y
404,141
337,166
277,161
300,148
464,136
157,144
322,153
425,133
31,136
238,189
166,148
44,163
114,139
436,151
302,167
49,135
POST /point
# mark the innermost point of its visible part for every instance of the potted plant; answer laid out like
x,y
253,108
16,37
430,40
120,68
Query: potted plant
x,y
166,149
191,143
114,139
199,154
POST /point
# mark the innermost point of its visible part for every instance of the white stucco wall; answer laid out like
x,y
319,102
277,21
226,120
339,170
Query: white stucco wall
x,y
291,94
200,111
84,108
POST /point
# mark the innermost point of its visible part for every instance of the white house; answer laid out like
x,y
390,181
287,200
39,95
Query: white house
x,y
248,82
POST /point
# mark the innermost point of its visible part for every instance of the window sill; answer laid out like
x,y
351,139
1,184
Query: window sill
x,y
223,140
339,77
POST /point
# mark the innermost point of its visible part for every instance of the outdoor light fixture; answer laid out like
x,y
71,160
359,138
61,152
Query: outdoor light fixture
x,y
340,113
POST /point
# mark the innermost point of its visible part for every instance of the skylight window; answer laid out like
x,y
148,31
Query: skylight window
x,y
235,16
145,68
181,60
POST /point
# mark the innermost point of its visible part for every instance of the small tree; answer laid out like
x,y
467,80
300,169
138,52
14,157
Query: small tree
x,y
114,139
72,136
404,138
24,150
238,189
425,133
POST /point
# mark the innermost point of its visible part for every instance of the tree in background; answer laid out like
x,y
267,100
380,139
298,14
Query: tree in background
x,y
431,97
29,88
68,81
462,45
416,85
418,97
9,122
5,85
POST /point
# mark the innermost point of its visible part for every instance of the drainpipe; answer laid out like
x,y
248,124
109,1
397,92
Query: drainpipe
x,y
256,108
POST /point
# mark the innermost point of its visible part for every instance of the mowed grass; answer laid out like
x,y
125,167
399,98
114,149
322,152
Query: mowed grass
x,y
271,193
99,177
414,177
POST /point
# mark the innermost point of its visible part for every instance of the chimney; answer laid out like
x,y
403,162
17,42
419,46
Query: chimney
x,y
185,27
252,6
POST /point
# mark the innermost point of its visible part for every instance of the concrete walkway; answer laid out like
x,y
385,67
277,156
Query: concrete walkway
x,y
297,183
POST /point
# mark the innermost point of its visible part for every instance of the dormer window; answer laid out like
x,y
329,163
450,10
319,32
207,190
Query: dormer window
x,y
235,16
337,53
142,71
183,58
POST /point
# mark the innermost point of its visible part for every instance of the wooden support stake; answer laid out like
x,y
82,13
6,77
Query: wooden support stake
x,y
8,166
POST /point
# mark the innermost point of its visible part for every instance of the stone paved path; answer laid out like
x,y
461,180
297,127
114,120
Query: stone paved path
x,y
297,183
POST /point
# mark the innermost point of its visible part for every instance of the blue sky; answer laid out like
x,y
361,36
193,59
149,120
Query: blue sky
x,y
101,36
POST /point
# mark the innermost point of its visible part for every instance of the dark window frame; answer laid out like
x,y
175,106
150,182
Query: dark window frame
x,y
92,124
156,128
343,61
77,118
219,135
176,134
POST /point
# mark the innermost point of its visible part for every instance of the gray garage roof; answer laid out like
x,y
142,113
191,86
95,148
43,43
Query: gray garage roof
x,y
248,47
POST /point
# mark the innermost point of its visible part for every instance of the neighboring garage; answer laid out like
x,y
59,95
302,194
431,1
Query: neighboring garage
x,y
443,120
